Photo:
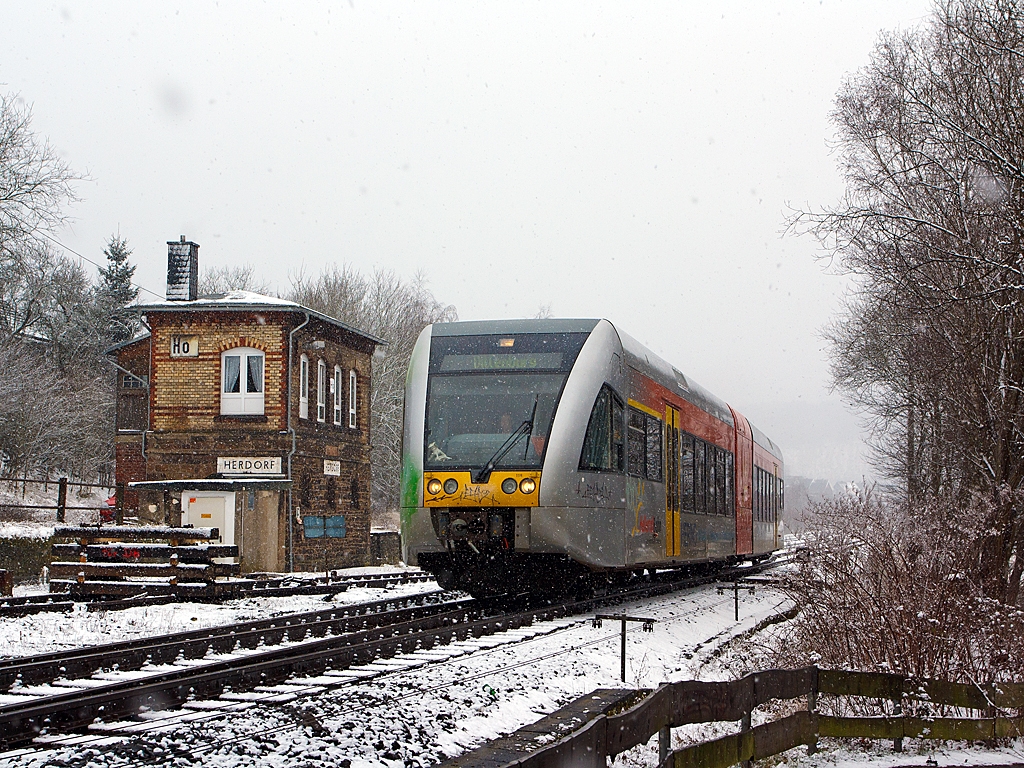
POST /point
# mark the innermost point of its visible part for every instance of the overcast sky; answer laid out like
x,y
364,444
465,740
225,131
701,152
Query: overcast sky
x,y
634,161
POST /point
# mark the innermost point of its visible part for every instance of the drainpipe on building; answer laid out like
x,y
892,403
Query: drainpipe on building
x,y
149,392
291,431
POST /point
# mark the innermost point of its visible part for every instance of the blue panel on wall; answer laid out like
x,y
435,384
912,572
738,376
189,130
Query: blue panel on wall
x,y
335,526
313,526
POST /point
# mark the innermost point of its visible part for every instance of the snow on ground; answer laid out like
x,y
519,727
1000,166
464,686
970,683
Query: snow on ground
x,y
46,632
17,522
421,716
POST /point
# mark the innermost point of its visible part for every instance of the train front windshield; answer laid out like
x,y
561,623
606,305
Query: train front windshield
x,y
494,395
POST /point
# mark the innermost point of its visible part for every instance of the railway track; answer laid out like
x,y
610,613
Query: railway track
x,y
57,602
248,661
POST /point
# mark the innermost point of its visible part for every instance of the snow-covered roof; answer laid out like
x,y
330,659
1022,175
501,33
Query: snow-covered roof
x,y
242,301
141,335
212,484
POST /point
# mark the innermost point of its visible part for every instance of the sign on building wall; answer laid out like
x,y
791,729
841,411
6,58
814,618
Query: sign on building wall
x,y
332,467
184,346
244,465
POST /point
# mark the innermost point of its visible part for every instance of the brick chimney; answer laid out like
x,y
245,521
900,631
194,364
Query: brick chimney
x,y
182,270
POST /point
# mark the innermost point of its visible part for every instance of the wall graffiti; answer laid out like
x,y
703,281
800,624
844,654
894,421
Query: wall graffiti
x,y
643,523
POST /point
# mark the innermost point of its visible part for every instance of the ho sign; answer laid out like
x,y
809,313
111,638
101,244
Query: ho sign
x,y
184,346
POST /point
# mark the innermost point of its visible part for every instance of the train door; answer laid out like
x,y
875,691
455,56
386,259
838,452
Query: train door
x,y
672,482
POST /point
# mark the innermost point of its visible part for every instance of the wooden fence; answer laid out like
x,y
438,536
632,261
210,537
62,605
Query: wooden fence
x,y
683,703
116,513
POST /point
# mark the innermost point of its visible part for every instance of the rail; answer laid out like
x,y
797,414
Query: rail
x,y
21,722
689,702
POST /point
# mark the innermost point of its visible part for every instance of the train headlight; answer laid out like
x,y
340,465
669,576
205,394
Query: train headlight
x,y
508,485
528,485
434,487
451,485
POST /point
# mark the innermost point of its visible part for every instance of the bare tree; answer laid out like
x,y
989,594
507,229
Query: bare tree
x,y
51,421
892,588
35,183
930,343
55,397
395,310
242,277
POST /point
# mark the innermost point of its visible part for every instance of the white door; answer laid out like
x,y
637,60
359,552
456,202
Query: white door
x,y
210,509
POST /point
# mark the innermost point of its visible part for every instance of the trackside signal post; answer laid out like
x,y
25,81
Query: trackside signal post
x,y
737,585
648,627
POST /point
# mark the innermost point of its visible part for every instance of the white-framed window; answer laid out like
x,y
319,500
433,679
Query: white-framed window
x,y
336,388
321,391
303,387
241,382
352,401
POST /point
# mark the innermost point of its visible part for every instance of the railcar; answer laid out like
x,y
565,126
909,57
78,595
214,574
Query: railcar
x,y
543,456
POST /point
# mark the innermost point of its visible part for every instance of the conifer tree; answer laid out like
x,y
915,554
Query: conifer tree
x,y
116,291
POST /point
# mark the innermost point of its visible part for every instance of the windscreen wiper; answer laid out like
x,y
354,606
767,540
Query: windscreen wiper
x,y
526,428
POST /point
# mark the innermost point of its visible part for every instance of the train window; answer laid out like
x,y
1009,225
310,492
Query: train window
x,y
686,472
720,480
699,475
775,498
782,495
672,463
712,480
602,444
618,435
762,495
654,437
759,495
757,499
730,493
637,439
644,445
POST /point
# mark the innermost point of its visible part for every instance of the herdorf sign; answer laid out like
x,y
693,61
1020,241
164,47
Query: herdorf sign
x,y
242,465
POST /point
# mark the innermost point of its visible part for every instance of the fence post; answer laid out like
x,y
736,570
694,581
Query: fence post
x,y
744,727
812,705
119,504
623,649
897,743
664,743
62,499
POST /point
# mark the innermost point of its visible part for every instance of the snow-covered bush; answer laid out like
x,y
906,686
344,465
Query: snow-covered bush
x,y
892,587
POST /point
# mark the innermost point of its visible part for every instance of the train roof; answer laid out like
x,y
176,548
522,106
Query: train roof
x,y
636,355
765,442
645,361
490,327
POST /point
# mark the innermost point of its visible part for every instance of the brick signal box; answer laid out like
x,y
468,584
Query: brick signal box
x,y
249,413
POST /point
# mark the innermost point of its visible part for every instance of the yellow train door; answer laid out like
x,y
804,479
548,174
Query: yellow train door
x,y
672,542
